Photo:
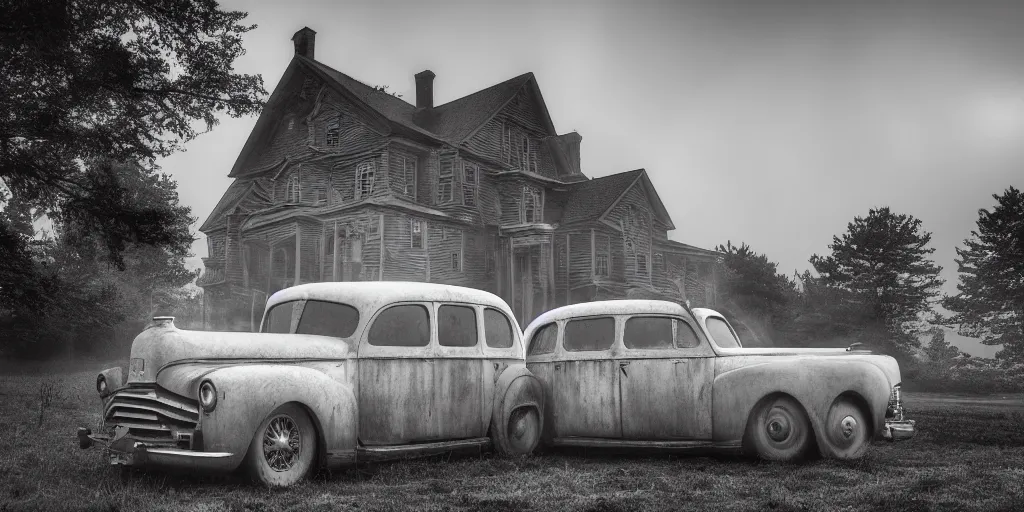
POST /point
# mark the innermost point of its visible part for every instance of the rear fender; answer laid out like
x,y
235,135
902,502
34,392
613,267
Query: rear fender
x,y
516,387
814,384
246,395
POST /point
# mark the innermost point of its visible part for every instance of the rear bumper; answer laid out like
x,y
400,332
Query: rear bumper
x,y
899,430
124,450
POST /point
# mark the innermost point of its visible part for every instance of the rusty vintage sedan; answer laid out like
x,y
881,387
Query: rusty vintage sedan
x,y
340,373
655,374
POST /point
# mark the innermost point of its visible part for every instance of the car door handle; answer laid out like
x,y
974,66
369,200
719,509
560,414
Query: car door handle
x,y
558,367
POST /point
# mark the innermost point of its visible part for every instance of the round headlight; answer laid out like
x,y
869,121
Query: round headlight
x,y
207,396
101,384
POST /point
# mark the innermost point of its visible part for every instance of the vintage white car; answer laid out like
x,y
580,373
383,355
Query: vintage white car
x,y
654,374
341,373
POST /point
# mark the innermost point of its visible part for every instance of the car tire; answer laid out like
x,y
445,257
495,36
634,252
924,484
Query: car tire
x,y
779,430
847,430
519,434
284,448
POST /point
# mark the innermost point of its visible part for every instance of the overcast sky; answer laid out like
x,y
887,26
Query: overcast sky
x,y
767,122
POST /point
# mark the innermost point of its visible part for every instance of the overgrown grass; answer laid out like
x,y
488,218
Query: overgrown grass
x,y
960,460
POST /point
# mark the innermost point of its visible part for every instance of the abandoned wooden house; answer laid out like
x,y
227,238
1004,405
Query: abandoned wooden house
x,y
339,181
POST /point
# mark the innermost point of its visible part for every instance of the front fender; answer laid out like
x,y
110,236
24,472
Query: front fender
x,y
815,384
247,394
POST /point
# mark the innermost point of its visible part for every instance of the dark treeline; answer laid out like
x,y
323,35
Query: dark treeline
x,y
879,287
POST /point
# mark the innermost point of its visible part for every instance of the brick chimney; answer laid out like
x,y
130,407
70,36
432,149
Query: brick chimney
x,y
425,89
569,143
305,40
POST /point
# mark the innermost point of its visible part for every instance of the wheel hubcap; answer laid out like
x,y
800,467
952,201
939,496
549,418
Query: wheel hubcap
x,y
519,425
281,443
848,426
778,429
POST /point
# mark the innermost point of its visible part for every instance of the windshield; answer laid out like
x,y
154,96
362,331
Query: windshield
x,y
721,333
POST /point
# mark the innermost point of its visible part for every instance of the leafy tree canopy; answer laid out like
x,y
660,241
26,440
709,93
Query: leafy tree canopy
x,y
882,263
990,302
117,80
752,281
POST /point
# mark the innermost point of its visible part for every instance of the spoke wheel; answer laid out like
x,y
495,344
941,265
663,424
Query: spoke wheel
x,y
779,430
284,448
847,430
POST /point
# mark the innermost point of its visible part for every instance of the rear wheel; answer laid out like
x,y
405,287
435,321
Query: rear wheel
x,y
284,448
520,433
779,430
847,431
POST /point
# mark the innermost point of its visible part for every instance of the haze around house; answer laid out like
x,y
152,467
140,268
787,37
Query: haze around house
x,y
770,123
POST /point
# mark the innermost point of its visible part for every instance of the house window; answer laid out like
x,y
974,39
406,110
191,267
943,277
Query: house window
x,y
364,179
331,138
292,191
445,179
641,264
408,166
524,152
321,196
470,177
372,230
602,253
531,206
329,245
416,236
516,150
456,261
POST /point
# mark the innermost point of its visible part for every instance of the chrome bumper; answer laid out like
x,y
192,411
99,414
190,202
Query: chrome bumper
x,y
898,430
124,450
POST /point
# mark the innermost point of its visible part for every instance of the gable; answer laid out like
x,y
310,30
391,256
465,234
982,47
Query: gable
x,y
242,195
640,197
525,109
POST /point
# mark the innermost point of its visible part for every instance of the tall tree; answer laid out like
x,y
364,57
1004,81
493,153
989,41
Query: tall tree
x,y
125,80
882,262
990,302
753,283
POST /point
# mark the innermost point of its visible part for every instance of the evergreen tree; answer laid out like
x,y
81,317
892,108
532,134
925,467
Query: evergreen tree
x,y
990,302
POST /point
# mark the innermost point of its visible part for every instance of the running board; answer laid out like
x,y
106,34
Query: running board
x,y
407,451
597,442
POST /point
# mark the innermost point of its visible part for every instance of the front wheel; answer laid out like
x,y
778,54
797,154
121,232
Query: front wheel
x,y
847,431
284,448
779,430
520,434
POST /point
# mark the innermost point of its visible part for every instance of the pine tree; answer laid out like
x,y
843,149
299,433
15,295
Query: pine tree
x,y
990,302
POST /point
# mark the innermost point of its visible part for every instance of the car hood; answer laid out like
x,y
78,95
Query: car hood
x,y
163,345
760,355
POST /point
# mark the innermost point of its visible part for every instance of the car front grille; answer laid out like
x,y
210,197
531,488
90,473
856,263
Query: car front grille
x,y
153,415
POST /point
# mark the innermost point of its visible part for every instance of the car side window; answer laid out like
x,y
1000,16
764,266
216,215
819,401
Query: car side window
x,y
497,329
544,339
685,335
648,332
279,318
328,319
589,334
405,325
456,326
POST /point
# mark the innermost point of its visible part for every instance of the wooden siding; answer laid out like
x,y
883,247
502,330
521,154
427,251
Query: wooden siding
x,y
632,215
522,112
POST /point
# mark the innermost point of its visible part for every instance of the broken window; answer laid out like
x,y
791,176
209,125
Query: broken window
x,y
292,191
416,234
408,166
456,326
407,325
470,177
589,334
497,329
364,179
331,133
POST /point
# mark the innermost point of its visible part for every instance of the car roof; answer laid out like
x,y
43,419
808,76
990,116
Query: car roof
x,y
609,307
375,294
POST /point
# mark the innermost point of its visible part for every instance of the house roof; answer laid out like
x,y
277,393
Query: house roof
x,y
231,197
592,199
457,120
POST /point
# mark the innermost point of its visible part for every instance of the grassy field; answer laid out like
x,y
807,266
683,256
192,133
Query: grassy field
x,y
967,456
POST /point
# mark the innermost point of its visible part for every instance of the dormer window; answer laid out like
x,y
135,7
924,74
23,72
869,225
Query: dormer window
x,y
516,149
331,133
364,179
